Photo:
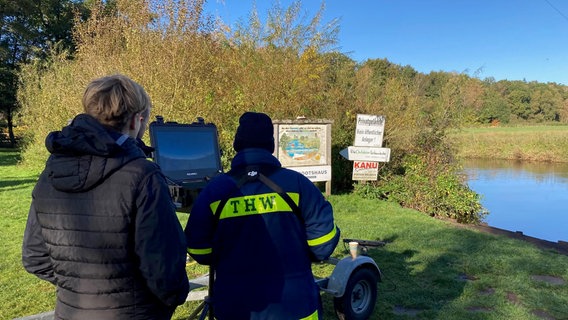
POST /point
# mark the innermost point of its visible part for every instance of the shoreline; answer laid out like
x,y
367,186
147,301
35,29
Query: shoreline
x,y
560,246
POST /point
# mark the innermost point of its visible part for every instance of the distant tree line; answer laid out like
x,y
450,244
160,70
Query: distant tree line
x,y
193,66
483,101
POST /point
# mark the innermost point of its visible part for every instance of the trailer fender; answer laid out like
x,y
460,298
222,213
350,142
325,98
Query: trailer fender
x,y
343,270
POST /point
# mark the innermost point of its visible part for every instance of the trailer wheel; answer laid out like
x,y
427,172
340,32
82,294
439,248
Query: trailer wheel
x,y
358,301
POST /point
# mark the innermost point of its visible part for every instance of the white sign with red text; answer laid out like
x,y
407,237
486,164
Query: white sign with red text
x,y
365,170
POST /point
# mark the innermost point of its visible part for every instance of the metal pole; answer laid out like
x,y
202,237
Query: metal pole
x,y
210,294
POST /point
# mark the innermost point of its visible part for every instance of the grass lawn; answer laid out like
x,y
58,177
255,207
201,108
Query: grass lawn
x,y
432,269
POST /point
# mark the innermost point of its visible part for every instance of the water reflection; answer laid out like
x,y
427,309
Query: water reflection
x,y
521,196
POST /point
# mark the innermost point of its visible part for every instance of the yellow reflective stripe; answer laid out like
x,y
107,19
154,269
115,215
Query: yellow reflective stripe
x,y
323,239
254,204
313,316
199,251
214,206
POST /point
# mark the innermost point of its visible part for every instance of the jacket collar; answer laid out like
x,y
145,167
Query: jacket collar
x,y
254,156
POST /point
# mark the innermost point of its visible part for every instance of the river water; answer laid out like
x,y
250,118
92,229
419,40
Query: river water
x,y
527,197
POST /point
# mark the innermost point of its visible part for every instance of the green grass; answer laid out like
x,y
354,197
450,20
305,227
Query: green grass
x,y
431,267
526,143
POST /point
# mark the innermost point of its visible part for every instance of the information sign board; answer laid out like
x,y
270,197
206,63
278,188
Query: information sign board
x,y
366,154
317,173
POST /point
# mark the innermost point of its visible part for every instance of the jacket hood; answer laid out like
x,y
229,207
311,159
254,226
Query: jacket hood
x,y
84,153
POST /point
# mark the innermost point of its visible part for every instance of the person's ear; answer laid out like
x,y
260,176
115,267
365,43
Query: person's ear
x,y
133,120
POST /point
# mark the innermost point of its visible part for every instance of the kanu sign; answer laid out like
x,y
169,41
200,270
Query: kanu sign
x,y
365,170
365,165
367,151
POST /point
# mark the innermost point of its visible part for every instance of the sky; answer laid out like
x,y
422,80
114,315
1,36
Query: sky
x,y
503,39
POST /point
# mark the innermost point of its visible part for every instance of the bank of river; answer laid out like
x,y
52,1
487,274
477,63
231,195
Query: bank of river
x,y
520,196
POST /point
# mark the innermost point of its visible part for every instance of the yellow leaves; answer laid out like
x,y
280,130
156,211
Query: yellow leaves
x,y
312,64
191,65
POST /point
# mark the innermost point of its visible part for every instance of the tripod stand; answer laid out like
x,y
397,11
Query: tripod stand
x,y
205,308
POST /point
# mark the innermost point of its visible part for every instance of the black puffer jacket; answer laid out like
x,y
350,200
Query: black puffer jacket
x,y
103,229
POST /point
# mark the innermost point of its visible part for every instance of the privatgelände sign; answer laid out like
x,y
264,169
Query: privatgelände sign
x,y
367,151
369,130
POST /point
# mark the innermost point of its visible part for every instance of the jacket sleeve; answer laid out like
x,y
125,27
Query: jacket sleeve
x,y
160,243
199,230
321,230
35,256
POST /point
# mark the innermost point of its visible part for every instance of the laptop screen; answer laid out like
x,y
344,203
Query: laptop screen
x,y
186,153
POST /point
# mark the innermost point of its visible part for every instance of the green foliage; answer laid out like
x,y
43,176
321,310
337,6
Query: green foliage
x,y
534,102
337,98
29,28
29,31
439,193
520,103
494,108
343,135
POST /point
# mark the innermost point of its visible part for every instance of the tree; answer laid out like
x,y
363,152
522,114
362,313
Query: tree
x,y
494,108
519,101
29,29
546,103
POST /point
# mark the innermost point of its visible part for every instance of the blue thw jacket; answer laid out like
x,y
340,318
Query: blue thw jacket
x,y
262,251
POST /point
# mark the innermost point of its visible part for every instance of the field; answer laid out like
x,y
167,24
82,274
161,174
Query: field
x,y
432,269
526,143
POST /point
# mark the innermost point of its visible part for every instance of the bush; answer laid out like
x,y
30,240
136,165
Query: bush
x,y
439,190
426,177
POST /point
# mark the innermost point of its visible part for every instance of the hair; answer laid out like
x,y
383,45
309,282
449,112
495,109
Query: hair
x,y
113,99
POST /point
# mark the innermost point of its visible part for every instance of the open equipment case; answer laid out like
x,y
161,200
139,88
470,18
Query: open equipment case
x,y
189,156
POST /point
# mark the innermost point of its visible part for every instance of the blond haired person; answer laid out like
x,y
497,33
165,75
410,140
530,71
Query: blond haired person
x,y
102,226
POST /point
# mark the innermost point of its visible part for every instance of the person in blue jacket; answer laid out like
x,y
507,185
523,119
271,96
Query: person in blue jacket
x,y
261,238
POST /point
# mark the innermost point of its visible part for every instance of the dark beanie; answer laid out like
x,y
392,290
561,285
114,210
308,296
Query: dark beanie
x,y
255,131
